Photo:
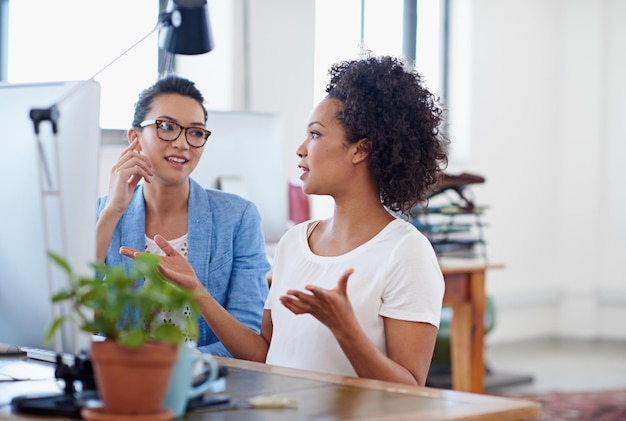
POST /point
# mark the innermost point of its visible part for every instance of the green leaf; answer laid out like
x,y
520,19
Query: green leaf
x,y
168,333
111,302
62,296
133,339
61,262
56,324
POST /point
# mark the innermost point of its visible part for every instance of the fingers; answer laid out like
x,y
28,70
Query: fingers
x,y
301,295
165,245
136,178
294,305
300,302
132,166
342,284
129,252
315,299
159,240
132,147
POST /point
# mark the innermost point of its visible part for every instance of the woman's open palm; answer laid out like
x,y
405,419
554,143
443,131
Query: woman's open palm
x,y
332,307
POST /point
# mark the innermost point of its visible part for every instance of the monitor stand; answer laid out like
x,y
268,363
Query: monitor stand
x,y
66,404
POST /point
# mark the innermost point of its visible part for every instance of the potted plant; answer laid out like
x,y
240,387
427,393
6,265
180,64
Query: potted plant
x,y
138,345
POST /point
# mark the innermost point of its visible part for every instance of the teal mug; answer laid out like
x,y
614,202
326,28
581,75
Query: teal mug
x,y
180,388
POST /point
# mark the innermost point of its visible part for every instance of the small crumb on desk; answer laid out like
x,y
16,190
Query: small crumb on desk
x,y
273,402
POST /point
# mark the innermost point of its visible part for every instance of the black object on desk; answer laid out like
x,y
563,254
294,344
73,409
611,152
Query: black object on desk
x,y
203,402
70,402
204,375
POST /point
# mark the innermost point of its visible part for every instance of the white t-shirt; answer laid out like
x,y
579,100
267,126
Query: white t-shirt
x,y
396,275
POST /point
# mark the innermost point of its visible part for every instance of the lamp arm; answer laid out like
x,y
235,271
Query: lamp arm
x,y
157,27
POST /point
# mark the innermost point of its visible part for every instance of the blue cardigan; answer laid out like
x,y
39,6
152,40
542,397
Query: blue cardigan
x,y
226,250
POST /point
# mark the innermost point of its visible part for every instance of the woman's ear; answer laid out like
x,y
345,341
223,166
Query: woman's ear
x,y
132,134
362,150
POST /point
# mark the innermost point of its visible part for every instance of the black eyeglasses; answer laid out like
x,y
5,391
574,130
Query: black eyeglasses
x,y
167,130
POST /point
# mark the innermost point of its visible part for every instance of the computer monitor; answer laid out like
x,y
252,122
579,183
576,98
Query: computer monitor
x,y
48,195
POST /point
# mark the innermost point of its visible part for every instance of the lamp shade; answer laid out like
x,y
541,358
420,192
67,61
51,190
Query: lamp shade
x,y
186,27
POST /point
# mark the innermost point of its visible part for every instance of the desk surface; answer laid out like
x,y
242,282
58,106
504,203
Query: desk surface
x,y
328,397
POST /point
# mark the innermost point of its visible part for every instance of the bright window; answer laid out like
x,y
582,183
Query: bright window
x,y
345,28
74,39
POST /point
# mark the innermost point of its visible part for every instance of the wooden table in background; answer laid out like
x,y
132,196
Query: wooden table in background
x,y
465,294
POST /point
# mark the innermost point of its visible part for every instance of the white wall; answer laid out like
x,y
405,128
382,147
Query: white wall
x,y
546,101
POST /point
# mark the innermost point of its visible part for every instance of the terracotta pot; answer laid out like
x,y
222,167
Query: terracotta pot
x,y
132,381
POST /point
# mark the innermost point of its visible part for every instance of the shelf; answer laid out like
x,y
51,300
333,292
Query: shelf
x,y
453,231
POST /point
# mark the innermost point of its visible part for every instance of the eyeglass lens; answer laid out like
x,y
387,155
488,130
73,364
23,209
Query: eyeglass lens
x,y
169,131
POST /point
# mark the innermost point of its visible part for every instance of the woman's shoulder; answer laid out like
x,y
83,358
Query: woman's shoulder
x,y
399,227
403,231
297,231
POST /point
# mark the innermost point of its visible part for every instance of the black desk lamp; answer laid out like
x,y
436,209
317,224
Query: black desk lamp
x,y
184,28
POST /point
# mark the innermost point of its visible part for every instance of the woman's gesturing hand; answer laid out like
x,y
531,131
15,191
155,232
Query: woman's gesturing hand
x,y
173,265
330,306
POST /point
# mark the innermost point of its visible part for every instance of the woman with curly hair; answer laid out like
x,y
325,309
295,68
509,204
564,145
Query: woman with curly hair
x,y
359,293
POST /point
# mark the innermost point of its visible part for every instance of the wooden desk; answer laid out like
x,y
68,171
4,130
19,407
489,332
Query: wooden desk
x,y
329,397
465,294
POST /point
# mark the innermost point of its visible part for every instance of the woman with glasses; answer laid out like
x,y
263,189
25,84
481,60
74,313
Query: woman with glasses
x,y
359,293
218,233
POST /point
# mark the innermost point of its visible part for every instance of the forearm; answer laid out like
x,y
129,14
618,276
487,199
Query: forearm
x,y
368,361
241,341
104,233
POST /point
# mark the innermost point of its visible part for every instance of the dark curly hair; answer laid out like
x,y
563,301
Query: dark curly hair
x,y
387,104
170,84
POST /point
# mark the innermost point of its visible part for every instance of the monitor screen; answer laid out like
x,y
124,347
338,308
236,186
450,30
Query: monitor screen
x,y
244,155
48,192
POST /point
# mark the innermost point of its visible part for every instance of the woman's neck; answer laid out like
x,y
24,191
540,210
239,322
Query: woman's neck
x,y
357,218
166,210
